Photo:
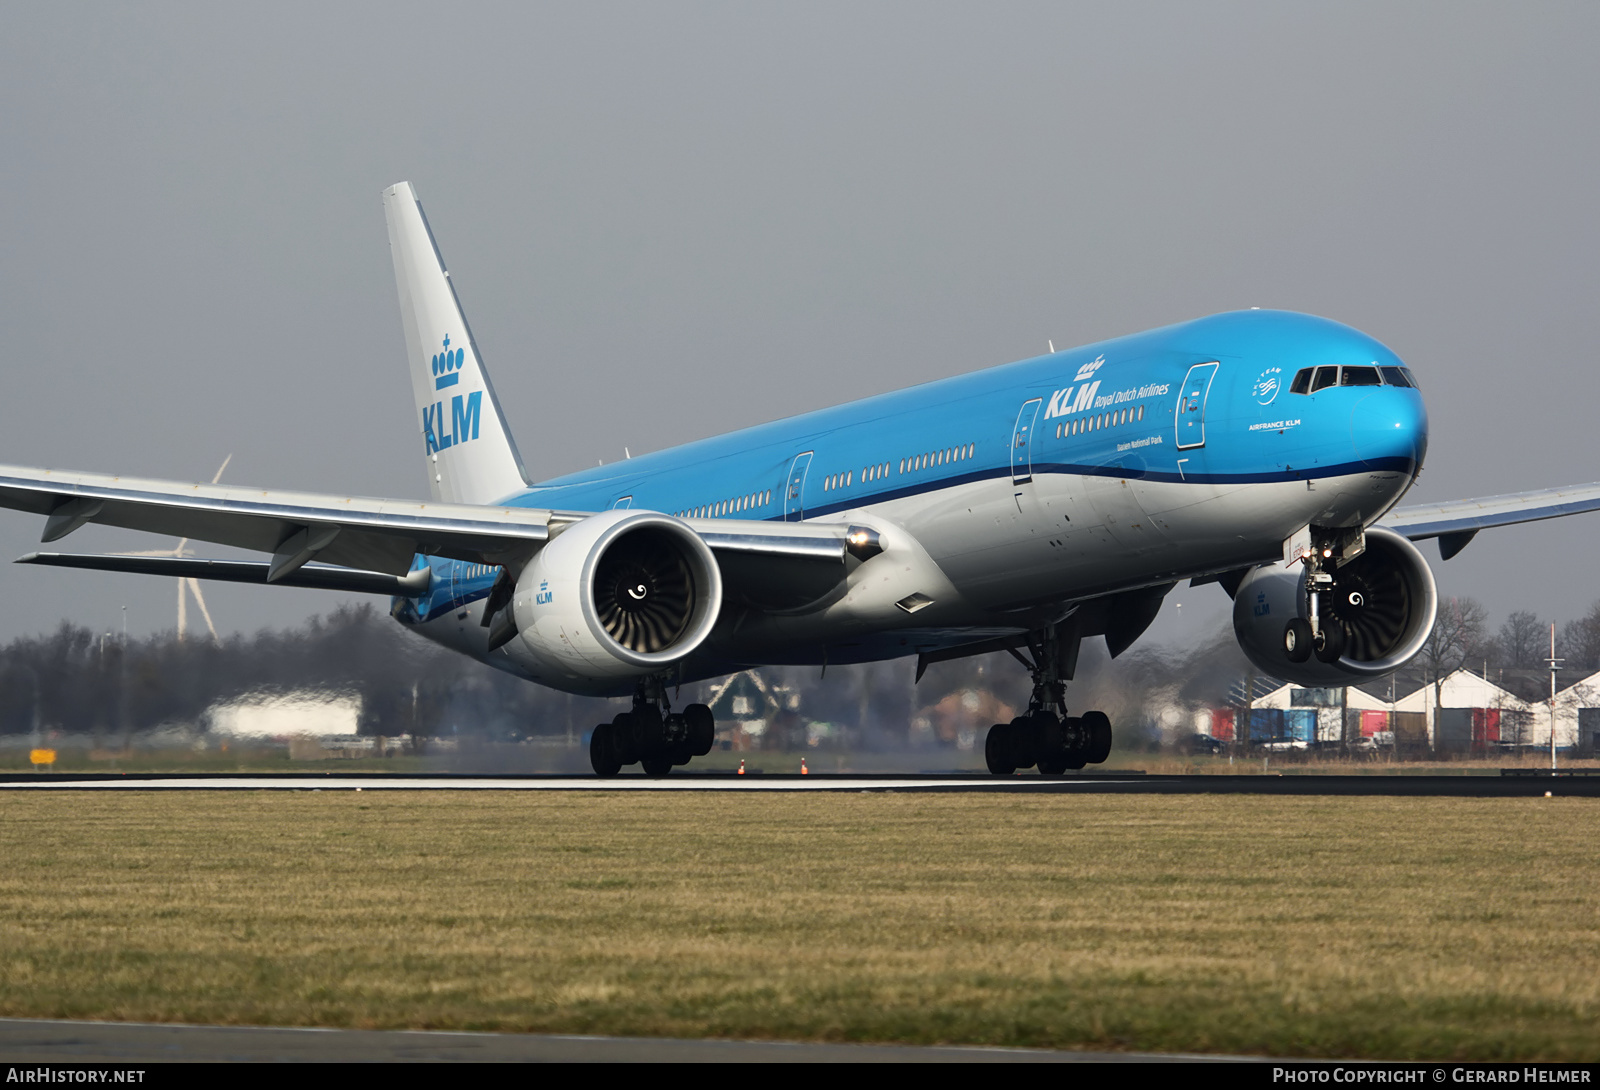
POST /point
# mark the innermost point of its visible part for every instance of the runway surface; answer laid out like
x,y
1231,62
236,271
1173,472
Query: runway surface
x,y
1509,786
41,1042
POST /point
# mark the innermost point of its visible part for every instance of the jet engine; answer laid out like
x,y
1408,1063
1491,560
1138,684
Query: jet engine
x,y
1384,599
618,595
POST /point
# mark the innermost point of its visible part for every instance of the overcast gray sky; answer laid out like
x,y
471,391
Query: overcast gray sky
x,y
669,220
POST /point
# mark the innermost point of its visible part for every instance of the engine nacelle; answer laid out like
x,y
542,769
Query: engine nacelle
x,y
618,595
1385,599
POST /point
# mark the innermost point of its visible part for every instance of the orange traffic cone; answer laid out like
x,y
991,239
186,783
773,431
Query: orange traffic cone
x,y
741,766
804,771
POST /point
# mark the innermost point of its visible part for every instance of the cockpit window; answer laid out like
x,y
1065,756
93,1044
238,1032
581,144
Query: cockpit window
x,y
1309,380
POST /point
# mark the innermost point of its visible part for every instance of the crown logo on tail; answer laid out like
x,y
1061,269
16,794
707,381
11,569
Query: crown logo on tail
x,y
447,365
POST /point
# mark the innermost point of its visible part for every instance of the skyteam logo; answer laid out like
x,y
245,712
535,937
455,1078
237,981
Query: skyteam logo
x,y
447,365
1265,391
1089,368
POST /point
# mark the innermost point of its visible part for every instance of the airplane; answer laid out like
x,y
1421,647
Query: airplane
x,y
1020,509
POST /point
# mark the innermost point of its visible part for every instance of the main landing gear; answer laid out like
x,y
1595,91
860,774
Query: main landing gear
x,y
1045,735
652,735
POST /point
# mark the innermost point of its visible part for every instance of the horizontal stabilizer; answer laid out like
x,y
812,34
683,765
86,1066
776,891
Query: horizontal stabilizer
x,y
319,576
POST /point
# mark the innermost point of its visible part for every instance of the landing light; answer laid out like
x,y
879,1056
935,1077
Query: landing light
x,y
862,542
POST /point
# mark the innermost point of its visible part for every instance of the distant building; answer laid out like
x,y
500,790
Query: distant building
x,y
280,716
1469,714
753,713
960,718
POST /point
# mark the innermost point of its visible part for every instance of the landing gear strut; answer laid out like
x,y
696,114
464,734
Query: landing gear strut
x,y
1045,735
1322,633
652,735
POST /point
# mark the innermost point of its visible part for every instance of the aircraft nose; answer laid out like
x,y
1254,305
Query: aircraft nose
x,y
1389,429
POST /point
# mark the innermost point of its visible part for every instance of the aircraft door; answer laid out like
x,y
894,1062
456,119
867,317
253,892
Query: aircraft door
x,y
794,491
1192,405
1022,442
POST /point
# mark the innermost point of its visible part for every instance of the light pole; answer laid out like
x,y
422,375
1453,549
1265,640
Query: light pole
x,y
1555,664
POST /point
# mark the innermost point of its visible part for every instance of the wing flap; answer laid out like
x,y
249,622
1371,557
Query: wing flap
x,y
318,576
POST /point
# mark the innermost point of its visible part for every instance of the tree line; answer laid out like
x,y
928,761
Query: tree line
x,y
77,681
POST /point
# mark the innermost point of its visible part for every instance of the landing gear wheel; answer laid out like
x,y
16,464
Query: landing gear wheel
x,y
649,734
1097,727
1077,756
657,766
601,758
1024,742
624,742
997,751
1297,640
1049,743
702,729
1330,642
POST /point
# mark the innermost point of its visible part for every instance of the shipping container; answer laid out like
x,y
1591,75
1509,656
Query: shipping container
x,y
1374,723
1283,725
1222,724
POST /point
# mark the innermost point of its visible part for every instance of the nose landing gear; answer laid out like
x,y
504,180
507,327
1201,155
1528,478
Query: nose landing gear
x,y
652,735
1324,632
1045,735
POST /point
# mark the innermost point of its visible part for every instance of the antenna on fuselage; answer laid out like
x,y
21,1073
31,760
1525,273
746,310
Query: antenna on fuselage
x,y
1052,345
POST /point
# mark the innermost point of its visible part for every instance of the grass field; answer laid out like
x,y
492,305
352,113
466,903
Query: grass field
x,y
1289,926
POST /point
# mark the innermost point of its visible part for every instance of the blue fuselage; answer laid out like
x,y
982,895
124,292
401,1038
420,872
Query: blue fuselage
x,y
1176,452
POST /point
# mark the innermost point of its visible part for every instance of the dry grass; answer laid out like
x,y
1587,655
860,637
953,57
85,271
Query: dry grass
x,y
1332,927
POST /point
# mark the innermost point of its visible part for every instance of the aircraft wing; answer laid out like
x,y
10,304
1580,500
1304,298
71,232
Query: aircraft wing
x,y
1456,522
372,535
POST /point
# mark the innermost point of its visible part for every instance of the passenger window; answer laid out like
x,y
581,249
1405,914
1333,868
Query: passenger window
x,y
1359,376
1302,381
1326,376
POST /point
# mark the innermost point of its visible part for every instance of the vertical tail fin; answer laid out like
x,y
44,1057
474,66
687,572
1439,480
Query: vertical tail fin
x,y
471,455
